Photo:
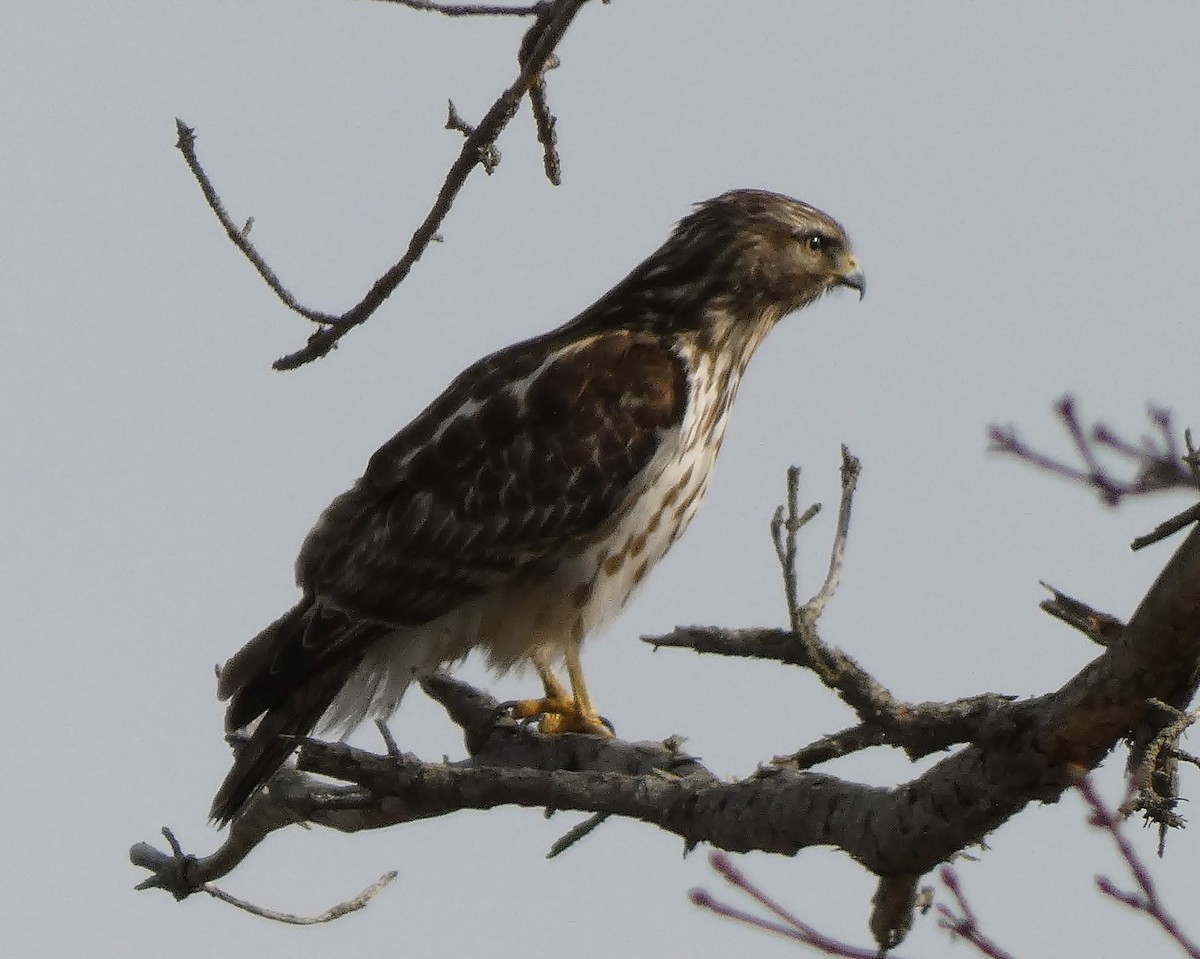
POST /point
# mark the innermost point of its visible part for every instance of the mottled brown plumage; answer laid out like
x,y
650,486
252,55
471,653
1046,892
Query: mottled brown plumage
x,y
525,505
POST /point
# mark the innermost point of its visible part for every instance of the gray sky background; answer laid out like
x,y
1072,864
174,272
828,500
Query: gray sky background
x,y
1020,181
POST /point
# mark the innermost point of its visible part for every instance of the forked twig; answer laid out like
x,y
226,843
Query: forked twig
x,y
1145,898
962,923
785,924
1159,463
478,149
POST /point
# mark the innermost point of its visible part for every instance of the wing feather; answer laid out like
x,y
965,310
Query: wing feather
x,y
527,455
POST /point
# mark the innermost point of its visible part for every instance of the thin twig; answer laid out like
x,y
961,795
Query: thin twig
x,y
786,522
489,153
240,236
834,746
537,48
964,924
1168,527
546,123
330,914
1157,458
389,740
789,925
550,29
851,470
1099,478
471,10
1145,899
575,833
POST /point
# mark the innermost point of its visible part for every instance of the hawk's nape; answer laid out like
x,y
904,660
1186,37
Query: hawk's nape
x,y
527,503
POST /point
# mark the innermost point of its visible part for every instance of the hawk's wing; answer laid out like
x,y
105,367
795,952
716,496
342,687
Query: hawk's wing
x,y
526,454
525,457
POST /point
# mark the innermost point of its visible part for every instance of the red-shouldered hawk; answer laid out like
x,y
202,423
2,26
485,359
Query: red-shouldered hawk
x,y
525,505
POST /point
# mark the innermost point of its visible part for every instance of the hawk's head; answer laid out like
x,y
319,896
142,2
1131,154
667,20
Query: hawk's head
x,y
767,249
733,267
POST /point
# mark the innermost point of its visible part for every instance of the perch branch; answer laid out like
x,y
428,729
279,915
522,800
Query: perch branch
x,y
1018,752
907,830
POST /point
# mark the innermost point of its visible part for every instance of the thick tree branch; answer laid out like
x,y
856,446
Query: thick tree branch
x,y
1035,755
1016,753
1159,465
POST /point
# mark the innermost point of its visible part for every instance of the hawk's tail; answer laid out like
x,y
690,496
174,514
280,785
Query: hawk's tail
x,y
288,674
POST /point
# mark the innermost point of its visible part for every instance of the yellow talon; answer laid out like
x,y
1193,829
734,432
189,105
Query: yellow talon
x,y
560,715
559,711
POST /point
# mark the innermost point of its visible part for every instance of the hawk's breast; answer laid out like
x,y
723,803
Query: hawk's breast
x,y
557,604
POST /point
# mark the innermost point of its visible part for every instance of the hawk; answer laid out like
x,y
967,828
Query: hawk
x,y
528,502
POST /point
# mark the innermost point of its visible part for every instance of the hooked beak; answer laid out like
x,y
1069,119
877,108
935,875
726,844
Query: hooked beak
x,y
852,277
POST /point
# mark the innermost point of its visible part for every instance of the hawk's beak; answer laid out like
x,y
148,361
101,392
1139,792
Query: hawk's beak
x,y
852,277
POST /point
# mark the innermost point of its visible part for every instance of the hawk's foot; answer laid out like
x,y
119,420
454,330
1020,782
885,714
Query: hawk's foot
x,y
560,714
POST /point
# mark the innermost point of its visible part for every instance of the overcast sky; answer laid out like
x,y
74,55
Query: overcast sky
x,y
1020,180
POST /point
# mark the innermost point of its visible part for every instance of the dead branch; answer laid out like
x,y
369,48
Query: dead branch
x,y
472,10
1101,628
1153,768
176,872
479,149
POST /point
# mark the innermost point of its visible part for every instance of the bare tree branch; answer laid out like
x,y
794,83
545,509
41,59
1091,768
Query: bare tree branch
x,y
240,236
537,56
1168,528
1034,754
1146,898
472,9
1100,628
962,922
1160,465
785,924
330,914
179,874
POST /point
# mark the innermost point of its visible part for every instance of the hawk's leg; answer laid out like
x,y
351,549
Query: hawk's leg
x,y
561,712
